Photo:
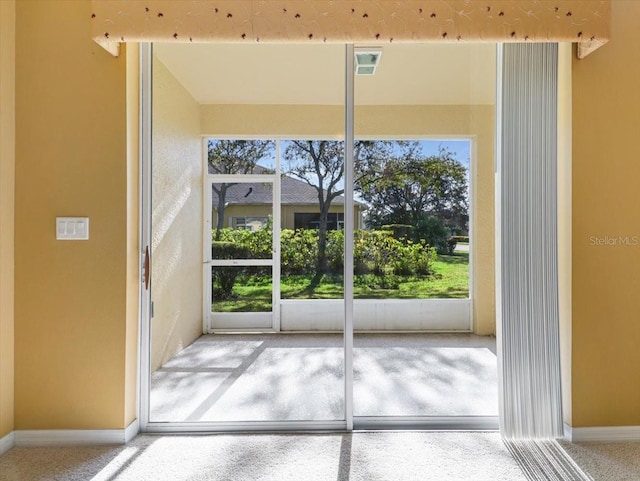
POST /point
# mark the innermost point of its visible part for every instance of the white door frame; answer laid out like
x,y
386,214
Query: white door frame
x,y
146,310
240,321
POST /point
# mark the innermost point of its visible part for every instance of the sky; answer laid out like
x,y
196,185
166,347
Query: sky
x,y
459,147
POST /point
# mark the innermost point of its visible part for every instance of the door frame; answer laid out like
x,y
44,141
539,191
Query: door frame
x,y
349,422
144,205
208,316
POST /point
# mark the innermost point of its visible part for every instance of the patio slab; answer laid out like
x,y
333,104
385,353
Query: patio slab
x,y
277,377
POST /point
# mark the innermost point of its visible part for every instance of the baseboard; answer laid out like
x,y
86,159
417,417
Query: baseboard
x,y
7,442
76,437
602,434
567,432
131,431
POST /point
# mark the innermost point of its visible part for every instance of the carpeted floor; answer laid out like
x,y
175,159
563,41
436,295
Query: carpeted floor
x,y
300,377
607,461
361,456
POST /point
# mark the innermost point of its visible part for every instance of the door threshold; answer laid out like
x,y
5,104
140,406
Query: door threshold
x,y
426,423
244,427
360,424
242,331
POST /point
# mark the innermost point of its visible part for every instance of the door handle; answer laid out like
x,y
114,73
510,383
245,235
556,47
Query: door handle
x,y
146,271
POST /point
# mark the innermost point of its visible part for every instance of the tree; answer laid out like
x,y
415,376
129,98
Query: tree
x,y
320,163
409,188
233,157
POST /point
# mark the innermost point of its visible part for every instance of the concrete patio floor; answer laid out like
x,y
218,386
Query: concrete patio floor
x,y
277,377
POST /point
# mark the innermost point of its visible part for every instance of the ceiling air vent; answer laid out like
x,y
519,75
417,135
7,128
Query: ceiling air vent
x,y
367,59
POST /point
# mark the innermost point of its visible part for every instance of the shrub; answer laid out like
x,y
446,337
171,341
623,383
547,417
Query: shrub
x,y
224,278
380,250
228,250
298,251
376,253
379,253
414,258
257,244
399,231
432,231
335,251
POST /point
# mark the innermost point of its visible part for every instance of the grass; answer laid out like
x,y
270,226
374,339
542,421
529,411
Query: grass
x,y
449,280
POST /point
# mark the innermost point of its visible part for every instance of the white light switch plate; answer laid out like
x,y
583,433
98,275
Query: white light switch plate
x,y
72,228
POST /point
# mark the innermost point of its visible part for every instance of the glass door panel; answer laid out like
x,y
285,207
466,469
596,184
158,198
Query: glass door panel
x,y
244,357
423,134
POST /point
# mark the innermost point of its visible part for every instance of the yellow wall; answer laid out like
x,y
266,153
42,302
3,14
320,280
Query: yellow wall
x,y
176,246
71,160
7,177
475,121
606,202
133,238
303,121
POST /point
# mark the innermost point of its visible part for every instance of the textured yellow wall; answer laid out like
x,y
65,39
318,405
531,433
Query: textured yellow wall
x,y
133,238
7,184
475,121
312,121
606,203
176,274
71,160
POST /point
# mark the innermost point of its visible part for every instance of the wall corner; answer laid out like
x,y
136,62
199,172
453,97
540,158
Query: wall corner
x,y
564,222
7,217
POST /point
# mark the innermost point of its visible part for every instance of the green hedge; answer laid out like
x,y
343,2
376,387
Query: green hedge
x,y
224,278
376,252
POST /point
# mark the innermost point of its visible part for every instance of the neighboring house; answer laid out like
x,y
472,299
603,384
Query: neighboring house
x,y
248,205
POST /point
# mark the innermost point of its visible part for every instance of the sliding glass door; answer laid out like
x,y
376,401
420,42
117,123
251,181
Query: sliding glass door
x,y
316,220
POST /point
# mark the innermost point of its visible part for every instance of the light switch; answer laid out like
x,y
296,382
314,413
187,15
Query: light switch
x,y
72,228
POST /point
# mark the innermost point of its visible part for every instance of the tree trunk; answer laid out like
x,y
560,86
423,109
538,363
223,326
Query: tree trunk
x,y
221,201
323,264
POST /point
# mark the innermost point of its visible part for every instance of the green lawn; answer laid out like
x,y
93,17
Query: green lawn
x,y
450,279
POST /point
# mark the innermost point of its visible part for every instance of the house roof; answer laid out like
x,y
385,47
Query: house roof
x,y
293,191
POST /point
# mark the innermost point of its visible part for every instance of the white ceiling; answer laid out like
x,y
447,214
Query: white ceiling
x,y
409,74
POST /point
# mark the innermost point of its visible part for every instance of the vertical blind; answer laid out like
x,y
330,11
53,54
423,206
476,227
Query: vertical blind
x,y
531,406
529,340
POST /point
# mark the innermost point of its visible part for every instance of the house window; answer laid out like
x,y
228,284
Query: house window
x,y
250,223
310,220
